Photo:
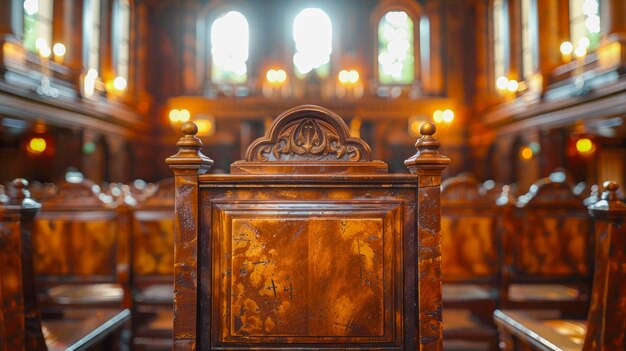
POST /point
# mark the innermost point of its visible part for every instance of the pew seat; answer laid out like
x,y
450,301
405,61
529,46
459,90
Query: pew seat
x,y
543,329
155,294
74,294
544,292
81,329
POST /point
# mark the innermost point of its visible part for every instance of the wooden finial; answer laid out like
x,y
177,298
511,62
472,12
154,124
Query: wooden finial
x,y
189,157
610,190
427,156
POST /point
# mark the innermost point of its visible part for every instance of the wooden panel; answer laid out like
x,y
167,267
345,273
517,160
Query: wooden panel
x,y
307,272
554,244
468,247
153,252
70,245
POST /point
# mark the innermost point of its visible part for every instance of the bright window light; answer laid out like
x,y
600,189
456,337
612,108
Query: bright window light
x,y
230,38
313,36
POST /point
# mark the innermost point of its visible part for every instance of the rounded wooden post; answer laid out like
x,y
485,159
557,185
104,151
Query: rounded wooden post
x,y
21,325
187,164
428,164
607,315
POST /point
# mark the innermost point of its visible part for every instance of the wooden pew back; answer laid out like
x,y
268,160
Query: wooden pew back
x,y
20,324
79,239
470,239
308,243
548,236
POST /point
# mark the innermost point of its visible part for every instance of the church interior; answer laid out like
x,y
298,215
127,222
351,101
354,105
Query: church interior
x,y
440,174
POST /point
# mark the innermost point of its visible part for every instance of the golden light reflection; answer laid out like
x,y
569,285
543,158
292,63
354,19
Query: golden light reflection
x,y
37,145
584,146
526,153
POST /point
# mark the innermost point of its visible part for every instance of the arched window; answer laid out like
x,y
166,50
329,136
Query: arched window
x,y
91,34
121,42
529,37
230,38
499,40
584,19
313,37
396,47
38,26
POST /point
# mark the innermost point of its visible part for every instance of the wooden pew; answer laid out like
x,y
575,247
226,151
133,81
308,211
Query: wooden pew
x,y
605,326
80,246
152,268
308,244
21,325
547,248
471,259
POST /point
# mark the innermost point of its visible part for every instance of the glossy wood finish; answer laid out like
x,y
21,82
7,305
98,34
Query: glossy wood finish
x,y
308,244
21,325
471,247
548,245
152,268
605,327
79,240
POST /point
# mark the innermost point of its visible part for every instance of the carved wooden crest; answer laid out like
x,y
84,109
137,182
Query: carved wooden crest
x,y
310,133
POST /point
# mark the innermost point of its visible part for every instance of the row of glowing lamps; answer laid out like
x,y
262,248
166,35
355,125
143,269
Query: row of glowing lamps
x,y
59,50
584,146
279,76
567,49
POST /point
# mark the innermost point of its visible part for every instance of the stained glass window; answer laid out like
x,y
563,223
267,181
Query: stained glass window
x,y
38,25
584,25
396,59
121,38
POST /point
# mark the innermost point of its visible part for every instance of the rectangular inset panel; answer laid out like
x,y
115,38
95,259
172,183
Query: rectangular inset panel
x,y
308,274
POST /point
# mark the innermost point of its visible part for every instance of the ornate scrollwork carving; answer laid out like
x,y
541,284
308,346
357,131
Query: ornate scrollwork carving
x,y
308,133
308,137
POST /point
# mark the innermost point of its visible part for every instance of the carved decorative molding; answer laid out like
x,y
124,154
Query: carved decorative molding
x,y
308,133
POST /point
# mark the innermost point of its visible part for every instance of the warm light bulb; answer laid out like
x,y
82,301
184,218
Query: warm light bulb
x,y
184,115
344,76
59,49
448,116
271,76
174,115
526,153
502,83
580,51
512,85
45,51
41,43
566,48
281,76
37,145
92,73
353,76
438,116
119,83
584,145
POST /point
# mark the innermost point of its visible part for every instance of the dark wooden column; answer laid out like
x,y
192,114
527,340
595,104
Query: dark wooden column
x,y
428,164
11,18
20,329
68,25
187,164
553,27
607,315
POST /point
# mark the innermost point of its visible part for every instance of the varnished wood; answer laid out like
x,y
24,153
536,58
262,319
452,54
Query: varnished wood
x,y
21,324
605,327
307,244
80,240
471,247
547,247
